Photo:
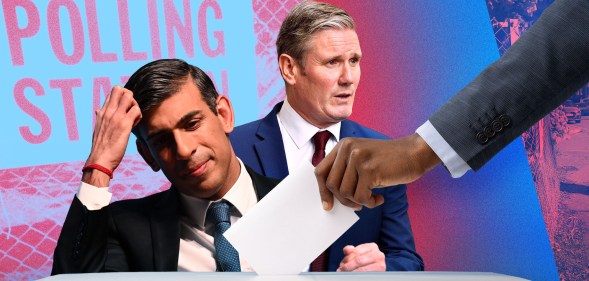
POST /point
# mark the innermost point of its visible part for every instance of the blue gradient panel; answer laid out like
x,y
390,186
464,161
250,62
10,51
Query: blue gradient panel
x,y
416,55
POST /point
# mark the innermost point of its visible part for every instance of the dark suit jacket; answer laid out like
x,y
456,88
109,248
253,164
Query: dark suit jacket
x,y
538,73
259,145
129,235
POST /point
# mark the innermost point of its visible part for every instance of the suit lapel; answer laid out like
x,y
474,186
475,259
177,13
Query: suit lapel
x,y
262,185
347,130
270,148
165,232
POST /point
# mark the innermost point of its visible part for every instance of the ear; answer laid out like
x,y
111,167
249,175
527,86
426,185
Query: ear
x,y
144,151
289,68
225,114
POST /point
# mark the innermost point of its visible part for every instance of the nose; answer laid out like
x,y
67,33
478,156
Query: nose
x,y
185,146
347,74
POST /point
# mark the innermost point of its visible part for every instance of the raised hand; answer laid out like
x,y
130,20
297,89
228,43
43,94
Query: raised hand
x,y
114,121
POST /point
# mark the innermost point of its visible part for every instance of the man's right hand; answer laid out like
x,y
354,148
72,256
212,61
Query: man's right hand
x,y
355,166
114,121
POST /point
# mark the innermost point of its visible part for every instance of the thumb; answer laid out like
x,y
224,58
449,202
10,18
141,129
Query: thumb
x,y
349,249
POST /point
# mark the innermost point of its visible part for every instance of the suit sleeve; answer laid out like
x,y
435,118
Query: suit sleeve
x,y
87,242
396,237
537,74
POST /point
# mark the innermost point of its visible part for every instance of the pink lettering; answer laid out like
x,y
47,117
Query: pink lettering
x,y
203,30
154,30
32,110
53,24
66,86
224,82
124,79
184,31
94,34
128,53
14,33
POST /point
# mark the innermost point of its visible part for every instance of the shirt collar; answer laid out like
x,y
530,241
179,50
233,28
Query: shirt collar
x,y
299,130
195,209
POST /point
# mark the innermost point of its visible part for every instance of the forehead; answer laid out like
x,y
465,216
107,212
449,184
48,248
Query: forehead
x,y
174,108
334,41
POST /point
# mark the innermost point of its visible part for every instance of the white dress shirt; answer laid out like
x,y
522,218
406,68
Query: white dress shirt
x,y
197,249
297,136
452,161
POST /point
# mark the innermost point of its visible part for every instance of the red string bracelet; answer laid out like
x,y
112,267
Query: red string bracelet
x,y
98,167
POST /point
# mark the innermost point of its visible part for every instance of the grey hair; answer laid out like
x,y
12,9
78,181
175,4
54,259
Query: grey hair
x,y
303,21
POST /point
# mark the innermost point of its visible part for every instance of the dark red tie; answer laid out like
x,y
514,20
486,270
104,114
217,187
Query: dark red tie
x,y
320,139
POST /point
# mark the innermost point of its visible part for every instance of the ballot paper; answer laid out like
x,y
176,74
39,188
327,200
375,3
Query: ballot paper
x,y
288,228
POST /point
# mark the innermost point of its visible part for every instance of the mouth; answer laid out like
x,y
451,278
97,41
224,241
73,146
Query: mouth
x,y
343,96
197,170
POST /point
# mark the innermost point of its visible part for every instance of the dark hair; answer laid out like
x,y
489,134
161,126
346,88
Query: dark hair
x,y
158,80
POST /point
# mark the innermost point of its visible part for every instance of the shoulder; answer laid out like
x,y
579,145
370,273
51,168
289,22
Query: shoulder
x,y
359,131
262,184
143,204
259,179
247,128
268,123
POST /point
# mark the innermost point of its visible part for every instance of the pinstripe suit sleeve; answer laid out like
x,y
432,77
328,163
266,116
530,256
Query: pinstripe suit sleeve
x,y
538,73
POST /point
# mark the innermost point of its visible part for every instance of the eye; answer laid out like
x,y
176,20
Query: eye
x,y
161,141
332,62
193,124
354,61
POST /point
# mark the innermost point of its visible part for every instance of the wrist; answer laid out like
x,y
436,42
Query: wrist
x,y
424,155
96,174
100,168
95,178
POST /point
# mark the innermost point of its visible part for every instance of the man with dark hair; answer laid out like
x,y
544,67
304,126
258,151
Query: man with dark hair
x,y
181,125
319,58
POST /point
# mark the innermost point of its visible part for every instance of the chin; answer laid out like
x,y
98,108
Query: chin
x,y
342,116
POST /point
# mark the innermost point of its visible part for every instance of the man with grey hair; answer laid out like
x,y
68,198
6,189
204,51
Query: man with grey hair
x,y
319,58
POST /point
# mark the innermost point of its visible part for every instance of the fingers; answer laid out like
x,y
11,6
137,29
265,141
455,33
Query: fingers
x,y
135,113
347,186
321,173
344,181
364,193
120,105
332,169
111,103
364,257
129,108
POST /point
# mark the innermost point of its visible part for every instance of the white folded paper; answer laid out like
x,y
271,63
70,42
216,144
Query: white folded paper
x,y
288,228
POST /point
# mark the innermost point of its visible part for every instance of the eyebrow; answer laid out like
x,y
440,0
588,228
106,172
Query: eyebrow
x,y
184,118
340,56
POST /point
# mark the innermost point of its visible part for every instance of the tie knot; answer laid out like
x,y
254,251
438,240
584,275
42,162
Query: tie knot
x,y
320,140
219,212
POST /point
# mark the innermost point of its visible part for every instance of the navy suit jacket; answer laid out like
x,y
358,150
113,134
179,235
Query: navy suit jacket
x,y
259,145
129,235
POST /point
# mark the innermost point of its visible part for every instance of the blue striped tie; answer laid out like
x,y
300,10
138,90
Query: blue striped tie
x,y
227,258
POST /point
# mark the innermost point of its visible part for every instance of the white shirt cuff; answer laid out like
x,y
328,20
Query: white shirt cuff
x,y
94,198
452,161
